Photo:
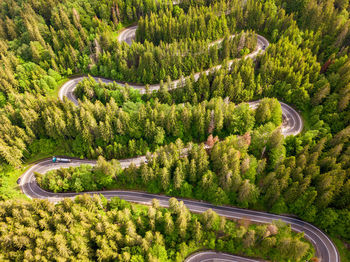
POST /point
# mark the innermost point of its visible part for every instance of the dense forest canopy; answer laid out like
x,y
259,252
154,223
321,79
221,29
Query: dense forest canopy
x,y
135,233
249,164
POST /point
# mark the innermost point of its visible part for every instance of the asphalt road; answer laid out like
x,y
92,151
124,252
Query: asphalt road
x,y
292,125
128,35
292,121
207,256
325,248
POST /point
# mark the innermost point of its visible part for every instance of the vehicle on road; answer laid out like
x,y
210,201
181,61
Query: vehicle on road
x,y
60,160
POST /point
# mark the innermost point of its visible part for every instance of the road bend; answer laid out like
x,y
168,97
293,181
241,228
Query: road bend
x,y
292,125
325,249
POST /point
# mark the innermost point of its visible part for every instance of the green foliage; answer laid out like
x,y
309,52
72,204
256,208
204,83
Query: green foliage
x,y
312,185
2,99
43,146
135,233
95,129
197,23
306,65
231,180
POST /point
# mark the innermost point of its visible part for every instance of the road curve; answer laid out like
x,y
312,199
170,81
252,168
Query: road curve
x,y
292,122
207,256
325,249
128,35
292,125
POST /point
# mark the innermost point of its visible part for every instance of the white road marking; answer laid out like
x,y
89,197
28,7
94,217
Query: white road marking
x,y
28,178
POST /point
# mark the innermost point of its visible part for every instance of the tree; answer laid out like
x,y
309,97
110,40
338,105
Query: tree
x,y
106,171
247,193
341,137
178,178
249,239
263,113
322,93
181,224
169,224
210,219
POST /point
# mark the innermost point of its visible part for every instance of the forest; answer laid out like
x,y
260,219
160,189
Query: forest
x,y
97,129
234,171
235,155
135,233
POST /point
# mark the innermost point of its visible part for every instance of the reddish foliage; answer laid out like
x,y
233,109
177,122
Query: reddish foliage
x,y
211,140
315,259
326,65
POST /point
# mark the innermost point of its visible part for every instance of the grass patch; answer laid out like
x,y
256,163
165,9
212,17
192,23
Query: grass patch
x,y
9,188
59,151
54,92
46,148
37,157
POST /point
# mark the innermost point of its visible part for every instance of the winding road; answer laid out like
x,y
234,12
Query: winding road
x,y
292,122
325,249
207,256
293,125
